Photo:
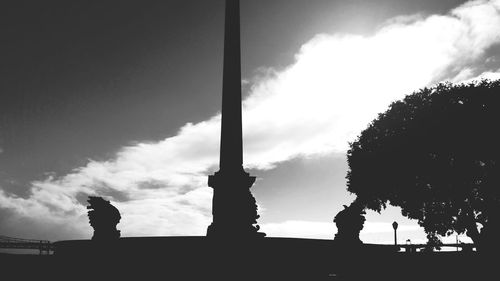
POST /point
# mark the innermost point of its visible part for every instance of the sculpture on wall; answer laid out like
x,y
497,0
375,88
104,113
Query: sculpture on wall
x,y
349,223
103,218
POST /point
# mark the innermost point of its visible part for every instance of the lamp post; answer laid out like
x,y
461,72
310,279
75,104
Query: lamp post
x,y
395,226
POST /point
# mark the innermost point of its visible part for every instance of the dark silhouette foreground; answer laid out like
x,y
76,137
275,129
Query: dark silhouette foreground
x,y
203,258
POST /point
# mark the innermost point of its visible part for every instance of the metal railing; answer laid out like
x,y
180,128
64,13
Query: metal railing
x,y
44,246
413,247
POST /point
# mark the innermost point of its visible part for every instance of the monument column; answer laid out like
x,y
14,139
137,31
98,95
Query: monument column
x,y
234,208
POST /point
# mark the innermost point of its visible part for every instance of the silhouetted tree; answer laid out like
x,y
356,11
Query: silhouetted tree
x,y
436,154
103,218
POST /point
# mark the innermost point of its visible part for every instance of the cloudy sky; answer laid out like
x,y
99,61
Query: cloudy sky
x,y
122,100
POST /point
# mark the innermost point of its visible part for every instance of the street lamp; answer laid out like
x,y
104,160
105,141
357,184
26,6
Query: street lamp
x,y
395,226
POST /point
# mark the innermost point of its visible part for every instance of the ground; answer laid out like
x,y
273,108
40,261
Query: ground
x,y
201,258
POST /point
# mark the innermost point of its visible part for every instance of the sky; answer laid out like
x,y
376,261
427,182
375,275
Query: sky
x,y
121,99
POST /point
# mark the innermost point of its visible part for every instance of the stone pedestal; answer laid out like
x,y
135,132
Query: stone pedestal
x,y
234,208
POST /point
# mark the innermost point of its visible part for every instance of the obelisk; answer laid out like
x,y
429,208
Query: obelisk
x,y
234,208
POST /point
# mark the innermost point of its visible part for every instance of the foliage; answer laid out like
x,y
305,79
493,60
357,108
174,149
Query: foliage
x,y
436,155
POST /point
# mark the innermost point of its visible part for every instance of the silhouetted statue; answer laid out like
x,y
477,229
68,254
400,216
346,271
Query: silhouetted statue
x,y
349,223
103,218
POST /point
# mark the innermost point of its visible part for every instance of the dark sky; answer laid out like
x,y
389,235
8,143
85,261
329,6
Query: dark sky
x,y
79,79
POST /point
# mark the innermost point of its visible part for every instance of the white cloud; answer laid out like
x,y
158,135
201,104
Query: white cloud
x,y
337,84
300,229
468,76
327,230
385,227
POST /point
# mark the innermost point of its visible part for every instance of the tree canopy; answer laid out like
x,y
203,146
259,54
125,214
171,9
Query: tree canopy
x,y
435,154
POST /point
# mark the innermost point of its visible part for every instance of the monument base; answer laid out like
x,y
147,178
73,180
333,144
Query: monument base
x,y
234,208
